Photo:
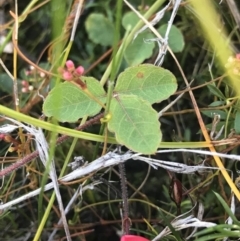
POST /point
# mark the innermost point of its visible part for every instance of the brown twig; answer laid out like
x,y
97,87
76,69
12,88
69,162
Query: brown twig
x,y
125,217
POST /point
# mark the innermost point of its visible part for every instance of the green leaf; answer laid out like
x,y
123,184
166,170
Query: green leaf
x,y
227,209
175,38
222,228
135,123
211,113
217,236
139,50
147,81
100,30
67,102
237,122
129,19
6,83
217,103
215,91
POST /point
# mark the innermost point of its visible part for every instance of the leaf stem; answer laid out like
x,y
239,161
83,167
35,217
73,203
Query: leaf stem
x,y
130,37
86,136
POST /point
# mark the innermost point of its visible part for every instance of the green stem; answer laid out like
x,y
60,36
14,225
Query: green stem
x,y
130,37
109,96
58,16
115,61
86,136
52,127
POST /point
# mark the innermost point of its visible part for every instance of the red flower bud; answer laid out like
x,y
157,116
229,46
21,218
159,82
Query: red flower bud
x,y
70,65
79,70
67,75
24,83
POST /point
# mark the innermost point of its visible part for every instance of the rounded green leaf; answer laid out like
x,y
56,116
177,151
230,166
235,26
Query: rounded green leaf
x,y
135,123
129,19
175,38
149,82
67,102
100,30
139,50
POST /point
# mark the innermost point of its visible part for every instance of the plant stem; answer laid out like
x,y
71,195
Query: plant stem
x,y
125,216
52,127
130,37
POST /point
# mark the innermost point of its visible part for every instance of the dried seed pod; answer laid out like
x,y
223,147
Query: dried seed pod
x,y
175,191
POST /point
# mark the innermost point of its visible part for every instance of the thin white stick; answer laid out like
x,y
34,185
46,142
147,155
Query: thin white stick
x,y
143,19
110,159
6,70
78,192
229,156
79,9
